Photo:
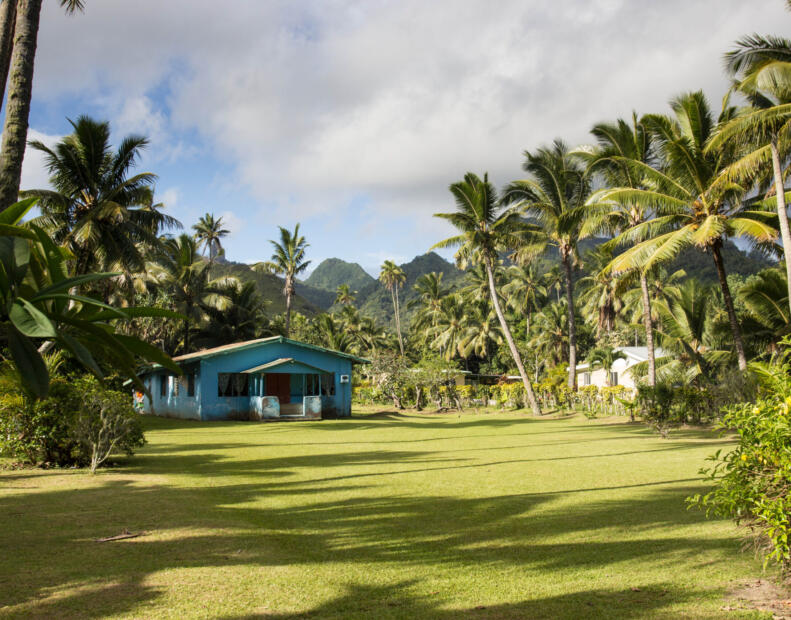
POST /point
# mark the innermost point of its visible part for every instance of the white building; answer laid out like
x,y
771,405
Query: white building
x,y
621,368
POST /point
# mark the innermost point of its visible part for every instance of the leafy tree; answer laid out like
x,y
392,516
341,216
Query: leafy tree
x,y
393,278
555,195
36,306
485,229
289,261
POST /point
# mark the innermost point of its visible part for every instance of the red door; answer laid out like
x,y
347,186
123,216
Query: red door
x,y
279,385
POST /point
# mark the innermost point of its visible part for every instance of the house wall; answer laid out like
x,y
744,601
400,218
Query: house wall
x,y
214,407
172,405
599,377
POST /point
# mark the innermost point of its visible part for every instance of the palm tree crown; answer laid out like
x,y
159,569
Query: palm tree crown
x,y
104,216
209,232
289,261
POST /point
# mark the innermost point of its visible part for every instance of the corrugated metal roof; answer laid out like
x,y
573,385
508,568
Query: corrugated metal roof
x,y
283,361
237,346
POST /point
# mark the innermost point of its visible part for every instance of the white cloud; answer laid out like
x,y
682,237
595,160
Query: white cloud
x,y
312,104
34,171
171,198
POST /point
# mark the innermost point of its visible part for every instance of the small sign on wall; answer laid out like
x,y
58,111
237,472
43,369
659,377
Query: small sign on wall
x,y
344,378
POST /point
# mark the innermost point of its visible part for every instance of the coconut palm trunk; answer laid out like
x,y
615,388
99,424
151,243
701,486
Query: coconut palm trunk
x,y
20,92
726,295
572,326
531,397
648,323
288,291
7,19
398,319
782,214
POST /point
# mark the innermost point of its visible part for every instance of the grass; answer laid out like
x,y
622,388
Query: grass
x,y
386,516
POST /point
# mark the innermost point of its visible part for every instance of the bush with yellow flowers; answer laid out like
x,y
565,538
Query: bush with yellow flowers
x,y
752,482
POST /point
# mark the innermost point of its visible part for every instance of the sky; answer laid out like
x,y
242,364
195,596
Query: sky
x,y
353,118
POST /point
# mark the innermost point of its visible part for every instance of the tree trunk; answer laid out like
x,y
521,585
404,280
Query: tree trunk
x,y
726,295
186,336
394,293
7,19
531,398
20,91
572,325
649,331
288,313
782,214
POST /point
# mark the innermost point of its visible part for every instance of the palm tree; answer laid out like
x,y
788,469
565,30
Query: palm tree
x,y
103,215
7,19
618,144
485,229
555,196
601,292
393,278
482,329
20,92
241,317
525,290
550,337
289,261
185,278
765,295
604,358
331,334
450,327
762,69
209,233
430,292
663,286
344,295
687,333
693,204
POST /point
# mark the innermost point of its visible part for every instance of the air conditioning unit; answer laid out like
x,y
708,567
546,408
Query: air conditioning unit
x,y
344,378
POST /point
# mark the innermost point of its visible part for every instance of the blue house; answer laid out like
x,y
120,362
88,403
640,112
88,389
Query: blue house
x,y
269,378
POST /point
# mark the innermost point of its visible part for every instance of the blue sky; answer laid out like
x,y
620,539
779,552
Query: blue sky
x,y
352,118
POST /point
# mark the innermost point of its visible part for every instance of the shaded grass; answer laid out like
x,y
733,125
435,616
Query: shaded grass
x,y
387,515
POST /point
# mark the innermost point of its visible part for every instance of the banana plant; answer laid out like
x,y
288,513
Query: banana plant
x,y
40,302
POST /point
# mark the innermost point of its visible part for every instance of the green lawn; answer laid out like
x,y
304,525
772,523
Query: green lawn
x,y
380,516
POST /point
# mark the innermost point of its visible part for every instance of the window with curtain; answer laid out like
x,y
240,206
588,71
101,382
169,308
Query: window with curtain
x,y
328,385
312,385
232,384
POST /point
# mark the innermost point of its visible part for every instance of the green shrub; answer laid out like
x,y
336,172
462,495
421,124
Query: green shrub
x,y
752,482
106,423
57,430
39,431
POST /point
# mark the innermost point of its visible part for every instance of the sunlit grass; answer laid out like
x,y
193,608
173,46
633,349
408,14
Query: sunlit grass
x,y
387,516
